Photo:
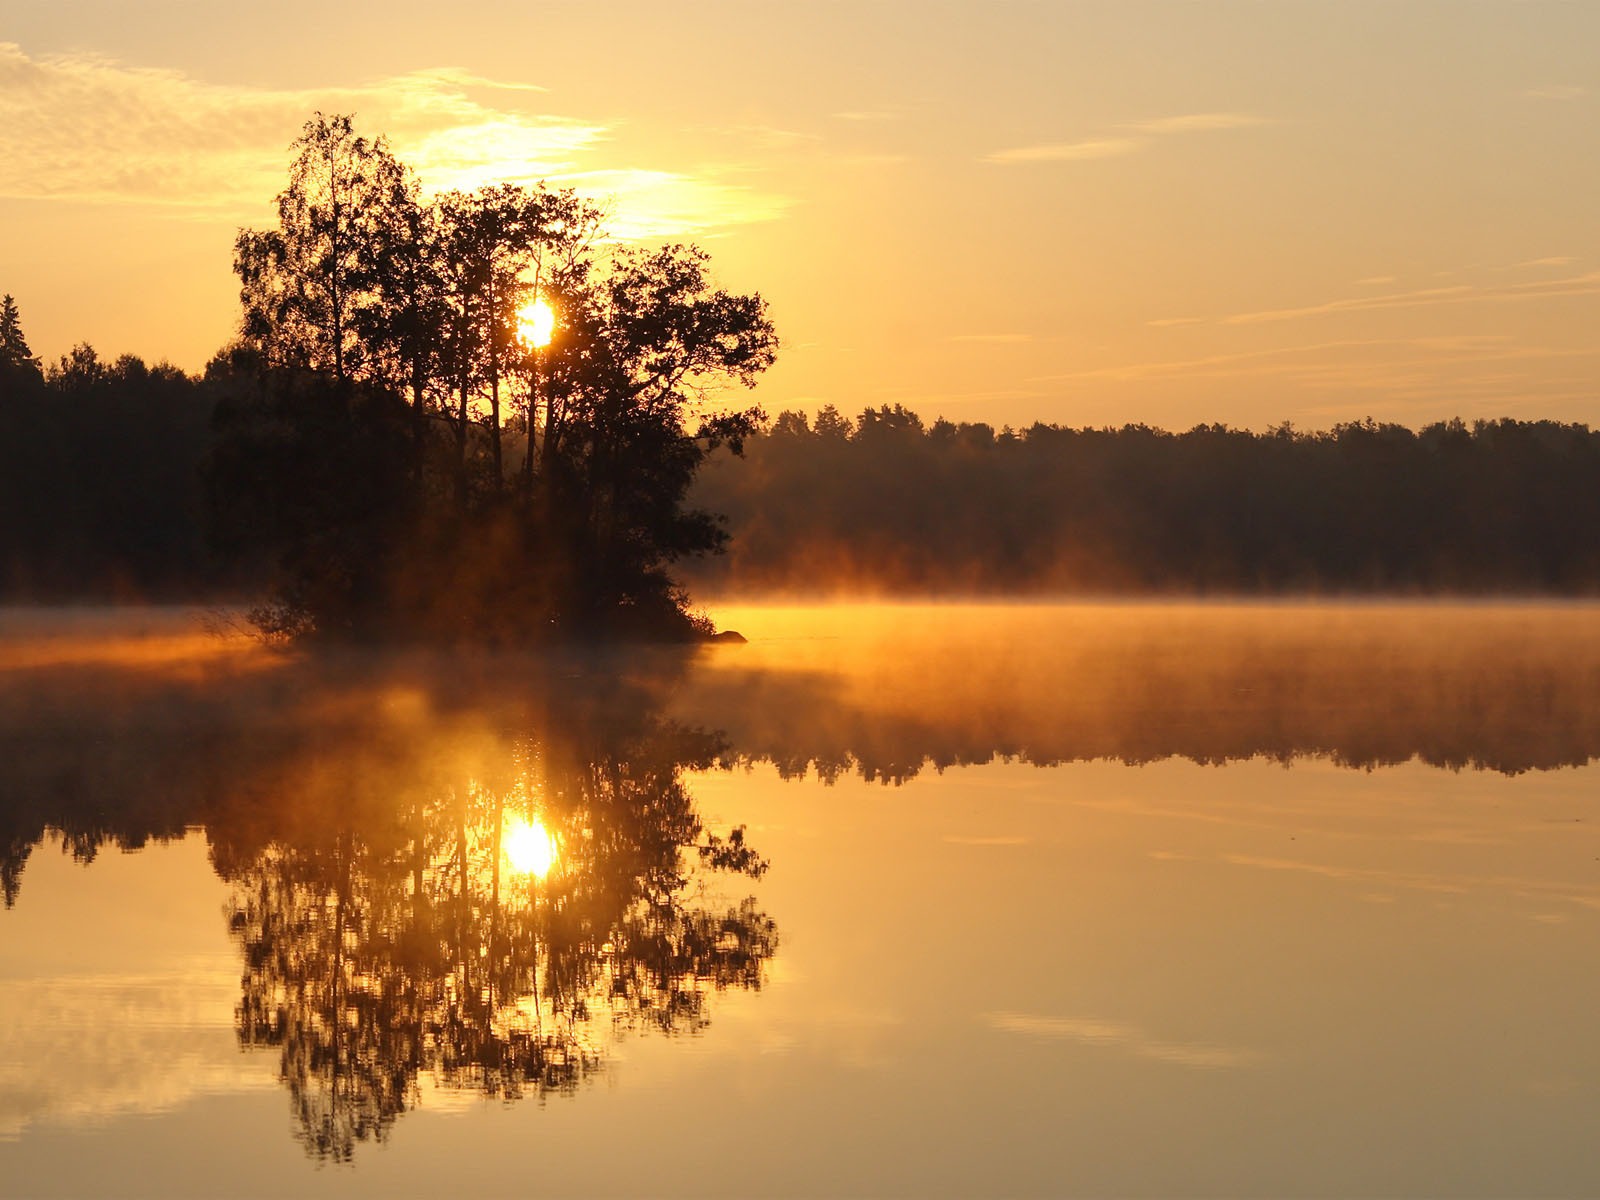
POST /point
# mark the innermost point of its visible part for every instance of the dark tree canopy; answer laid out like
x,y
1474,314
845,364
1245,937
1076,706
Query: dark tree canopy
x,y
98,476
416,461
885,504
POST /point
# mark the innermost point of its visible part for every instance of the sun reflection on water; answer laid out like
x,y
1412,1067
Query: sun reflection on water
x,y
529,847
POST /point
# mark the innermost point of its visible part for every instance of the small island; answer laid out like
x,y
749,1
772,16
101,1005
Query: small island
x,y
470,418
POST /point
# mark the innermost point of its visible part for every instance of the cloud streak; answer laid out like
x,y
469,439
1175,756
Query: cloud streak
x,y
1199,123
1120,1036
1118,145
1586,284
90,129
1557,91
173,1045
1403,369
1522,887
1113,147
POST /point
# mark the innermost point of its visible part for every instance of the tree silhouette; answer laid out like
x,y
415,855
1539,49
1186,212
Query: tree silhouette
x,y
884,504
307,284
499,246
16,359
368,288
98,479
317,475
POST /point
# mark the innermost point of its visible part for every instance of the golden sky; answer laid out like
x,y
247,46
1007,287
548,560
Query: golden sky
x,y
1088,213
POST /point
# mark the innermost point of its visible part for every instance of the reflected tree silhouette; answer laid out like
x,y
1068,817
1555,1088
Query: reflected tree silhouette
x,y
400,941
358,805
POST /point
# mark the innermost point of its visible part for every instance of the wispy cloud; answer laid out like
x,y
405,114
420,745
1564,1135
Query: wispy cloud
x,y
1120,1036
1116,145
645,203
1199,123
1420,368
1523,887
168,1050
1410,299
1111,147
1587,284
1584,284
1270,361
869,114
1557,91
464,78
92,129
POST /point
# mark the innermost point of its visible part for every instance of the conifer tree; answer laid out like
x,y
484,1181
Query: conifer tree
x,y
14,352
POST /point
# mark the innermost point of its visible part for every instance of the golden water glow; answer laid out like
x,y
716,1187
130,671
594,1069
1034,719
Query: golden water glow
x,y
536,323
529,847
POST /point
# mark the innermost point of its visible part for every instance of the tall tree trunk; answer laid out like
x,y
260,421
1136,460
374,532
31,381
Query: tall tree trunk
x,y
335,291
461,450
494,434
494,385
533,422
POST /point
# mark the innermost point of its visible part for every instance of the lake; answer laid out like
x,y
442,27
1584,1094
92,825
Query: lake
x,y
895,899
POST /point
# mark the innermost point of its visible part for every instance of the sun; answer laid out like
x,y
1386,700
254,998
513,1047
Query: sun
x,y
529,848
536,323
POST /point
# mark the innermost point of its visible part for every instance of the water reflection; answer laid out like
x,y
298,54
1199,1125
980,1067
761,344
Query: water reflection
x,y
471,876
411,931
530,849
889,691
423,898
120,745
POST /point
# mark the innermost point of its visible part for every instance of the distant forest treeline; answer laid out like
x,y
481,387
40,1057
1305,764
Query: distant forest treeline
x,y
101,469
100,481
884,503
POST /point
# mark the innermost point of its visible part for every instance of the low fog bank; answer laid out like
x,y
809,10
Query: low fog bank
x,y
120,737
888,690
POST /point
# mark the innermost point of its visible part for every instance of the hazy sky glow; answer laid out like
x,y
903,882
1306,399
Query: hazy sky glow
x,y
1083,213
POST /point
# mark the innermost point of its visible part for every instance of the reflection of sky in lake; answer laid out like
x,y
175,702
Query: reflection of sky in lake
x,y
1252,978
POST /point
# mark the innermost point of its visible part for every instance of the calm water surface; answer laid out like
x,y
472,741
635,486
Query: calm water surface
x,y
895,899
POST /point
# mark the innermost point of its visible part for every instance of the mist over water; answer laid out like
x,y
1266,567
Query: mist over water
x,y
886,688
889,688
124,724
